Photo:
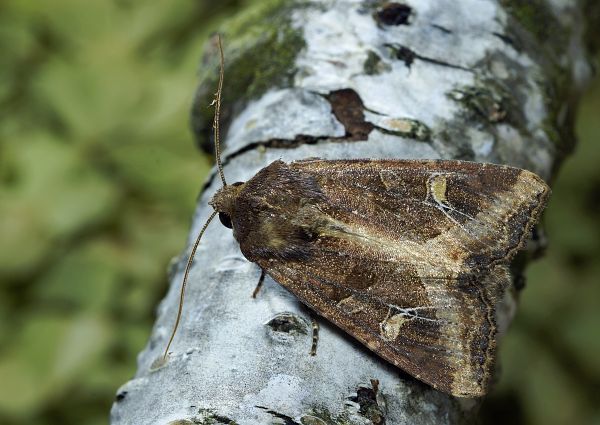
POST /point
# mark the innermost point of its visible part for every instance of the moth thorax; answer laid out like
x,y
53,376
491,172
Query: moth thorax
x,y
224,200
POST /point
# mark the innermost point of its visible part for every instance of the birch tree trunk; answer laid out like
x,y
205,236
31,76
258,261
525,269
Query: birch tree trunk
x,y
477,80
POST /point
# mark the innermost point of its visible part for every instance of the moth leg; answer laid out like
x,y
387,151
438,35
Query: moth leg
x,y
261,279
315,336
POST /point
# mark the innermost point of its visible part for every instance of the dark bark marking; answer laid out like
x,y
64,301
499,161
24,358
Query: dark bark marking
x,y
347,106
287,323
394,14
367,400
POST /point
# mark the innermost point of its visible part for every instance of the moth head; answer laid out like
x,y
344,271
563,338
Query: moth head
x,y
223,202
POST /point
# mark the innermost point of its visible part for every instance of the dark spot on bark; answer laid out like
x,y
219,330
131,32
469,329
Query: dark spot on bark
x,y
220,419
287,420
287,323
299,140
394,14
348,108
484,103
209,416
120,396
406,55
442,29
367,400
510,41
373,64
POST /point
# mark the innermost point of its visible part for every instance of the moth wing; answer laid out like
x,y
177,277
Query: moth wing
x,y
465,213
406,256
443,335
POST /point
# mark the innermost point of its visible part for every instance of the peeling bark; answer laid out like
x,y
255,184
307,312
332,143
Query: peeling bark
x,y
473,80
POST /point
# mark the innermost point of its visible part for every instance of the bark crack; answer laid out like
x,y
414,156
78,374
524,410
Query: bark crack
x,y
408,56
349,110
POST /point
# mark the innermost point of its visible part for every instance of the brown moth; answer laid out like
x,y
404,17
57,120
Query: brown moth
x,y
407,256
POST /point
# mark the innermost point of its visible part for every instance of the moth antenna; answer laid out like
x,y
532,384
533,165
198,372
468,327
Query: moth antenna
x,y
217,103
185,278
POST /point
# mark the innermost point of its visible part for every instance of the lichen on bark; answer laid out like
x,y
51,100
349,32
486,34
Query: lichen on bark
x,y
261,45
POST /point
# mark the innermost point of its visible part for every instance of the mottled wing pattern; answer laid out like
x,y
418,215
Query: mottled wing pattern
x,y
407,256
441,331
469,214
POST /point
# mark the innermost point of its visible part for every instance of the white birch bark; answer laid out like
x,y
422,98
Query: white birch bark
x,y
468,79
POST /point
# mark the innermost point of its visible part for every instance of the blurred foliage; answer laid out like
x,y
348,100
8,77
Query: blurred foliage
x,y
98,178
98,181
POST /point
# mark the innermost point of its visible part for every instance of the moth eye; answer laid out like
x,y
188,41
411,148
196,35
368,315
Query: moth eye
x,y
237,183
225,220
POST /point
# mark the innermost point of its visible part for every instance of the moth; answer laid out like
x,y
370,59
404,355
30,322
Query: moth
x,y
409,257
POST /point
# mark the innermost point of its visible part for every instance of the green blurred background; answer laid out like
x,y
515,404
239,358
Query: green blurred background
x,y
98,181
